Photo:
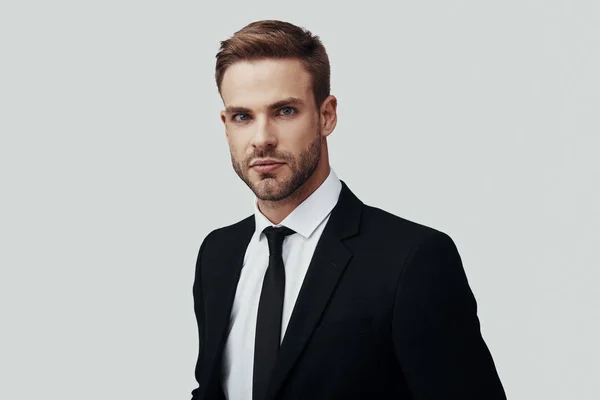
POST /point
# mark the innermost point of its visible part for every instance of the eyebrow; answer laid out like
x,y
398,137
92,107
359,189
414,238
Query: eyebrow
x,y
290,101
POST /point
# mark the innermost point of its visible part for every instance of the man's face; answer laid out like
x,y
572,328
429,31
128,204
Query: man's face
x,y
271,118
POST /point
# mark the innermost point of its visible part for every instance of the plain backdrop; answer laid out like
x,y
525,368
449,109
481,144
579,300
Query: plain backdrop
x,y
478,118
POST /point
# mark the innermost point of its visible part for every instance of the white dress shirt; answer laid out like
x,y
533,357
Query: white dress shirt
x,y
308,221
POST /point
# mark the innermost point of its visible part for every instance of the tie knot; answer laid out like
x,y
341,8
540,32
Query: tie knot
x,y
275,236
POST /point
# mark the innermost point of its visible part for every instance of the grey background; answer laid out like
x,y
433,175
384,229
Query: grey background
x,y
477,118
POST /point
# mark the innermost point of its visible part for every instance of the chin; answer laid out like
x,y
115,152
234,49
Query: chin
x,y
270,189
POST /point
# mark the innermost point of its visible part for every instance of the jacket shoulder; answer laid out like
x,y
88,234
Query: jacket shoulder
x,y
232,229
227,236
377,222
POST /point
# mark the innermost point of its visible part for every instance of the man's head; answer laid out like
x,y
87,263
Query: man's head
x,y
273,78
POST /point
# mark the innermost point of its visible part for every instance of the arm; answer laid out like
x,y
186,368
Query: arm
x,y
436,330
199,312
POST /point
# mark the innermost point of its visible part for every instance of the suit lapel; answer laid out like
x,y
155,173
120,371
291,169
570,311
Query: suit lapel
x,y
327,265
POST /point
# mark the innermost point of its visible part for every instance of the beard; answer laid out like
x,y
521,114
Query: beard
x,y
267,187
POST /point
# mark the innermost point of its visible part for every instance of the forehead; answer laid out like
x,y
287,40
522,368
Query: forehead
x,y
255,84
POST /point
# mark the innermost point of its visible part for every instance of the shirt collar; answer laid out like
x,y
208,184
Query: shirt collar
x,y
309,214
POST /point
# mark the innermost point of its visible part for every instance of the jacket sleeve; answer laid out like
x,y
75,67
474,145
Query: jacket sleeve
x,y
200,320
436,330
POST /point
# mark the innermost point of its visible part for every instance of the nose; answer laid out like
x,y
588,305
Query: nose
x,y
264,134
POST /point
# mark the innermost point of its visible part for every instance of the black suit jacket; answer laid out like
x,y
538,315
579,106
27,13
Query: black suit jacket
x,y
385,312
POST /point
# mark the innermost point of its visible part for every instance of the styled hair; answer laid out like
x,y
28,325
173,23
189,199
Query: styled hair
x,y
277,39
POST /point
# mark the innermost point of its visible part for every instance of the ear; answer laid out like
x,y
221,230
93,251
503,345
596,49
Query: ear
x,y
328,114
224,121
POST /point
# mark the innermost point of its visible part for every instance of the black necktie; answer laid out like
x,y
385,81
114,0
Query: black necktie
x,y
270,307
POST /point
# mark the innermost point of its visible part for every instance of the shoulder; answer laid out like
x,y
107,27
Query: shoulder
x,y
381,223
228,235
383,234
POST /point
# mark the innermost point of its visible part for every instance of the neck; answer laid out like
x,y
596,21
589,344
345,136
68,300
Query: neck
x,y
277,211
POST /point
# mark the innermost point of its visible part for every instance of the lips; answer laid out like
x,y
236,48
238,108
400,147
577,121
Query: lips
x,y
265,162
266,166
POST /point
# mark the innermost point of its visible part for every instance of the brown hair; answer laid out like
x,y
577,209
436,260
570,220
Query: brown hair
x,y
277,39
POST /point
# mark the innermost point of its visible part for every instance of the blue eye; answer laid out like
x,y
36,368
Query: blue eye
x,y
241,117
287,111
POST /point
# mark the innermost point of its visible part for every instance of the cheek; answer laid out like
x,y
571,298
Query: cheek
x,y
237,147
307,136
301,133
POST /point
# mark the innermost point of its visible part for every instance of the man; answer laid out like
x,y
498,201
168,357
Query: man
x,y
317,295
